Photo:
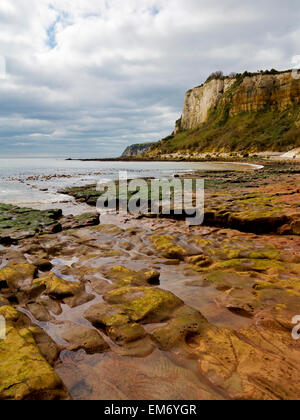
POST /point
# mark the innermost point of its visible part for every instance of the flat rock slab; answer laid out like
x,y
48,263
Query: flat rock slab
x,y
112,377
24,372
18,223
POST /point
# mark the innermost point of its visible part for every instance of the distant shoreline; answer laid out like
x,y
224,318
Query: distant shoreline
x,y
254,165
203,160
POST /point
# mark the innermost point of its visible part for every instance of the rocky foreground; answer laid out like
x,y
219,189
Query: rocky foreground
x,y
152,308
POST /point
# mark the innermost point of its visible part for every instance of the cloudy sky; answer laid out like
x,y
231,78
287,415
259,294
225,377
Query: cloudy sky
x,y
89,77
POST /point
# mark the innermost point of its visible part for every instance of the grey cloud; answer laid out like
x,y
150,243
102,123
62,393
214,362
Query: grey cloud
x,y
95,79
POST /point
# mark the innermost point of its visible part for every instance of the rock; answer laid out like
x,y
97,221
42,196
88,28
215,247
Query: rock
x,y
141,348
24,372
55,287
127,333
257,363
4,301
99,286
260,212
15,259
46,345
144,304
103,315
185,322
42,264
39,312
20,223
79,299
116,324
126,245
199,261
80,337
136,150
166,245
296,227
226,280
292,228
151,277
126,277
240,301
51,305
111,230
111,377
17,277
172,262
84,194
77,222
255,265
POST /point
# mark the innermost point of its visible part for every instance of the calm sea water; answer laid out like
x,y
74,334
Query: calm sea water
x,y
36,182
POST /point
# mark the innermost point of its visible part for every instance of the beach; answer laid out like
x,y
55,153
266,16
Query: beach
x,y
116,307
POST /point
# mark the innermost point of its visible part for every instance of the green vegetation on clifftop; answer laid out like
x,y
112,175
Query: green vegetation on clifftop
x,y
251,131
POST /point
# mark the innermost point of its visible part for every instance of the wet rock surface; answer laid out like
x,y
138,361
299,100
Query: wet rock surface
x,y
18,223
24,372
120,311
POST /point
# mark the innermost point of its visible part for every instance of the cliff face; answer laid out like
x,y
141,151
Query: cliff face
x,y
244,114
247,113
198,102
136,150
243,94
277,92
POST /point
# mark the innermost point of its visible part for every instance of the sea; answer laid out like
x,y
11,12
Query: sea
x,y
38,182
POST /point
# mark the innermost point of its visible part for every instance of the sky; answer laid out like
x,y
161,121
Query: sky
x,y
87,78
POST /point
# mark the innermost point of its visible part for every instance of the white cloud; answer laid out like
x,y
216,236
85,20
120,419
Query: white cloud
x,y
96,73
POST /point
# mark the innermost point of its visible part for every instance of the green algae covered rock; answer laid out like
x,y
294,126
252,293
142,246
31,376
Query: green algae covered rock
x,y
56,287
126,277
18,223
102,314
127,333
24,372
166,245
186,321
258,265
226,280
126,307
116,324
144,304
18,276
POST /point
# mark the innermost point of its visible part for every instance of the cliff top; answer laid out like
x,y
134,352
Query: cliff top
x,y
219,75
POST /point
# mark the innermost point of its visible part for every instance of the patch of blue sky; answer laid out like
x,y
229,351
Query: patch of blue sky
x,y
51,35
154,10
51,31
